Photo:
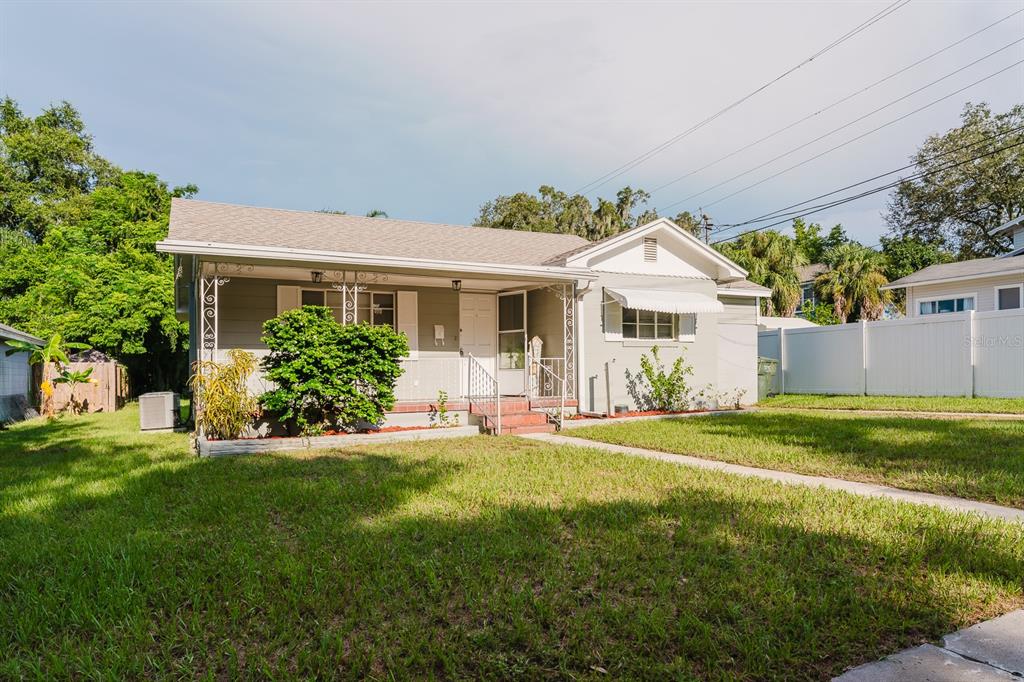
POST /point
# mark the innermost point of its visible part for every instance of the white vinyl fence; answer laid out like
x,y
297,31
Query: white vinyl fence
x,y
968,354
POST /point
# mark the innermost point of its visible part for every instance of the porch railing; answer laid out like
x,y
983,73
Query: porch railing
x,y
483,394
547,380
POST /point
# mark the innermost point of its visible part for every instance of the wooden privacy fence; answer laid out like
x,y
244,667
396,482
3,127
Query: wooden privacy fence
x,y
107,391
955,354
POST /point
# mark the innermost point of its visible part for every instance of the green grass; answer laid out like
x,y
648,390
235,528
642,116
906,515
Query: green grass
x,y
123,556
976,459
888,402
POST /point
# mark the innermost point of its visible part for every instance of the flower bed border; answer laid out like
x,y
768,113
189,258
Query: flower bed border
x,y
250,446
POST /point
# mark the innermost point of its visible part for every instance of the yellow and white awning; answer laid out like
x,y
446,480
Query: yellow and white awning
x,y
673,302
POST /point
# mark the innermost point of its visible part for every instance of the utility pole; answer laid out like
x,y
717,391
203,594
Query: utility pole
x,y
706,221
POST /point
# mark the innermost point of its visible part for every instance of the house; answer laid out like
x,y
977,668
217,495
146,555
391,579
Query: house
x,y
15,375
982,285
808,276
542,319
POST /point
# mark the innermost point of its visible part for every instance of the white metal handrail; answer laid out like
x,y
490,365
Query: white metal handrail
x,y
482,388
547,378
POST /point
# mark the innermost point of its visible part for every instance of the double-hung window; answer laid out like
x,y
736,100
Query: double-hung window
x,y
647,324
324,297
376,307
938,306
1010,297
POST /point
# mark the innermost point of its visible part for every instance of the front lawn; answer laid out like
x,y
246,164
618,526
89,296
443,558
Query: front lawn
x,y
123,556
976,459
903,403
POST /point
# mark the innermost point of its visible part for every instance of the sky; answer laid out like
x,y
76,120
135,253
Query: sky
x,y
427,110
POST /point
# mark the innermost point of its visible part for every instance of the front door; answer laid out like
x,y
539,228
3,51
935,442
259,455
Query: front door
x,y
512,342
478,322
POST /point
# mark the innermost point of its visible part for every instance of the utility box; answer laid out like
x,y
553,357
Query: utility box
x,y
159,411
767,368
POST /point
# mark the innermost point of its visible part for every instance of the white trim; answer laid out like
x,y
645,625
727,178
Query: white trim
x,y
744,293
366,260
944,297
608,244
997,289
960,278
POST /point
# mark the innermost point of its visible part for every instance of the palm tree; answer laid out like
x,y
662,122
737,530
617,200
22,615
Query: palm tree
x,y
771,260
854,281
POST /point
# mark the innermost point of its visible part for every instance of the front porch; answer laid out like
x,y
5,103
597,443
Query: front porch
x,y
473,337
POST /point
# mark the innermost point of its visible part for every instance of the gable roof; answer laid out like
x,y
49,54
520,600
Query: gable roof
x,y
1018,221
214,223
968,269
591,248
809,273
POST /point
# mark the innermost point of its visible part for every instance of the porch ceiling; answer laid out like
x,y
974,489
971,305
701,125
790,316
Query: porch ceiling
x,y
394,276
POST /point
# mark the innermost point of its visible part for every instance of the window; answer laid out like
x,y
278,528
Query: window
x,y
324,297
650,249
646,324
946,305
1010,298
376,307
806,293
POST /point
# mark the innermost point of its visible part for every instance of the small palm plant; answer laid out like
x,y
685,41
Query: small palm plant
x,y
225,406
73,378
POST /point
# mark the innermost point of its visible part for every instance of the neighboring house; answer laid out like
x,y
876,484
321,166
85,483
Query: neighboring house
x,y
15,375
545,317
808,276
983,284
766,323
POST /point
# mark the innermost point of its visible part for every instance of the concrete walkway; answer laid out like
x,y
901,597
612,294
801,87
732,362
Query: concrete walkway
x,y
993,650
866,489
909,414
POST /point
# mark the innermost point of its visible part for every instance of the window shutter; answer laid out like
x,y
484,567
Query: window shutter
x,y
288,298
687,327
651,249
612,319
407,319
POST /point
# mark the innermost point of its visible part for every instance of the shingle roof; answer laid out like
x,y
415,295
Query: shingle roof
x,y
980,267
205,221
809,273
743,285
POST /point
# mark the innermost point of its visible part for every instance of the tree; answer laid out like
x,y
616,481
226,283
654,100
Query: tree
x,y
810,242
46,164
853,281
771,259
961,198
551,210
906,255
79,257
690,223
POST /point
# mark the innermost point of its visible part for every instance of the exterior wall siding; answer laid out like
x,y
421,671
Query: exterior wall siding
x,y
15,377
604,363
984,288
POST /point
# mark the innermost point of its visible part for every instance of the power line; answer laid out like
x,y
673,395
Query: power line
x,y
782,211
824,207
840,145
836,103
594,184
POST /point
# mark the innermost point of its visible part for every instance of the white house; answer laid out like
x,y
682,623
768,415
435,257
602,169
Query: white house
x,y
540,319
982,285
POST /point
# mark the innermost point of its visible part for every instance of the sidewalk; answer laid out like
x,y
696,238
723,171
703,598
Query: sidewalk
x,y
992,650
956,504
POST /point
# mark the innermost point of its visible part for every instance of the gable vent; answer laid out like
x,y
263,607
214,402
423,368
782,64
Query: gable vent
x,y
650,249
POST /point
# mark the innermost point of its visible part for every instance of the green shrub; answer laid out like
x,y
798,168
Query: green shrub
x,y
221,390
656,389
329,375
819,313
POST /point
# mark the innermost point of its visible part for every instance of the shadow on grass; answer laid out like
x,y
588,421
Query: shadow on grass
x,y
363,564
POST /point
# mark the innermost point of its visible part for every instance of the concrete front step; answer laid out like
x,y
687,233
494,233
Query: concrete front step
x,y
509,405
526,428
523,418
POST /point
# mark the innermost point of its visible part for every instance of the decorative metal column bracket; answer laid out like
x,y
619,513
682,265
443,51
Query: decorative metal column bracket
x,y
209,295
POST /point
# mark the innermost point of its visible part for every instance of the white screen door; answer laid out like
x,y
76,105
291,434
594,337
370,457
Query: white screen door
x,y
478,331
512,342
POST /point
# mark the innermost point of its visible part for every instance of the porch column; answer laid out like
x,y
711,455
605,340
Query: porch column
x,y
209,289
569,338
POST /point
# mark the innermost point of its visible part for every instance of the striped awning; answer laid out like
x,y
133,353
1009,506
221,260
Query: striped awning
x,y
663,301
